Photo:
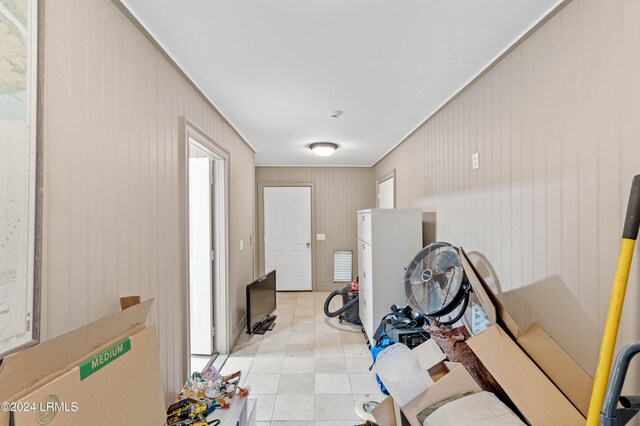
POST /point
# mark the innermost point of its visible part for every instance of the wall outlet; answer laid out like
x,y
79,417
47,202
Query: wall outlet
x,y
241,244
475,162
320,237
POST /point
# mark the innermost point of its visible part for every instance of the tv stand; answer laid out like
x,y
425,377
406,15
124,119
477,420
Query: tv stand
x,y
266,325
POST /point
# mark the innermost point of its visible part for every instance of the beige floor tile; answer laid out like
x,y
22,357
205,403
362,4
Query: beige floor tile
x,y
277,336
305,308
245,350
306,352
246,339
306,320
327,339
300,351
233,364
352,337
328,350
302,328
335,407
354,350
332,383
330,365
294,407
301,338
298,366
264,407
263,384
284,321
294,384
373,396
359,364
363,383
267,365
273,350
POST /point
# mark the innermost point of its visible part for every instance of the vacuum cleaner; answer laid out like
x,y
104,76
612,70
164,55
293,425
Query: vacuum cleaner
x,y
350,311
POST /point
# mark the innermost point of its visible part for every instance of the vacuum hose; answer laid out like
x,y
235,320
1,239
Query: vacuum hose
x,y
343,309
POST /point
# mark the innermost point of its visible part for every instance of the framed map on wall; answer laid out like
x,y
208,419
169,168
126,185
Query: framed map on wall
x,y
18,175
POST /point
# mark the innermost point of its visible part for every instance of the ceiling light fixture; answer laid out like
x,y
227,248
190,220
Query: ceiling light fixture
x,y
323,149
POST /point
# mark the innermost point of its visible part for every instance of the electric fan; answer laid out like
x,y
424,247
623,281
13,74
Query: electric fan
x,y
435,283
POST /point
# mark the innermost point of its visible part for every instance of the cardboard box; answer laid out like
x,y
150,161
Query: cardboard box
x,y
107,372
540,378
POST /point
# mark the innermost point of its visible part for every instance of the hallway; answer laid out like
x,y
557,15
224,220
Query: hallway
x,y
308,369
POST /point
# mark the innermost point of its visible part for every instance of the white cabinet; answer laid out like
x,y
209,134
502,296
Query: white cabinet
x,y
387,241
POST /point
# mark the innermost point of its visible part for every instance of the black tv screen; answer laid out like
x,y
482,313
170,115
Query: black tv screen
x,y
261,300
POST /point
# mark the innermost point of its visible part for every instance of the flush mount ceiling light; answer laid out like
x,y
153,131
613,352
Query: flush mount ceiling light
x,y
323,149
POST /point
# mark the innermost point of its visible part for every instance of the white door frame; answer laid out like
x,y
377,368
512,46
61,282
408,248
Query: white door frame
x,y
260,219
221,319
387,176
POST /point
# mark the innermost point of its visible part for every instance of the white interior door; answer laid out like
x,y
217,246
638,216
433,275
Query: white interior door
x,y
385,194
200,255
287,236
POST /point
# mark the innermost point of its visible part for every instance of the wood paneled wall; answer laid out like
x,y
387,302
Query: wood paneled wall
x,y
113,110
556,124
338,193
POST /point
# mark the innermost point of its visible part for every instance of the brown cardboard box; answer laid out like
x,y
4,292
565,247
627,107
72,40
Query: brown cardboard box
x,y
541,379
105,373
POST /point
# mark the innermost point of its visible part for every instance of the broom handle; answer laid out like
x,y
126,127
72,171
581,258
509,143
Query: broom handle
x,y
629,236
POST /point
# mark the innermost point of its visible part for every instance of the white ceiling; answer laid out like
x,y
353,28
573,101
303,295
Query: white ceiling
x,y
275,68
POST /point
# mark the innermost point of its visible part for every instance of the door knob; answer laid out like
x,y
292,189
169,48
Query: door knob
x,y
308,244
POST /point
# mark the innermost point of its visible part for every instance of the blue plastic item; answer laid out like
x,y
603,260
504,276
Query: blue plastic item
x,y
381,344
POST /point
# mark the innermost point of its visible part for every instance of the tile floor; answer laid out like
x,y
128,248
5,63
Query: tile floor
x,y
309,370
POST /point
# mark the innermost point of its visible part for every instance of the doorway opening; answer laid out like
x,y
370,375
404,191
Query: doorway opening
x,y
287,236
206,250
386,197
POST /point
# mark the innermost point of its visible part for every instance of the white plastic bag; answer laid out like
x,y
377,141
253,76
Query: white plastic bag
x,y
401,373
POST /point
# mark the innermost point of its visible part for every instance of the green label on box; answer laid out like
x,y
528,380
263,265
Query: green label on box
x,y
105,357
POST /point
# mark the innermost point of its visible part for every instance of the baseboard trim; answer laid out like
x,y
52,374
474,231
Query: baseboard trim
x,y
237,331
329,287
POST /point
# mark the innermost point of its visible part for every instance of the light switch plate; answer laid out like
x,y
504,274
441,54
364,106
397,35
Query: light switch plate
x,y
241,244
475,163
320,237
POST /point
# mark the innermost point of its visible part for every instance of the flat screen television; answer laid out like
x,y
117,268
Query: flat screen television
x,y
261,302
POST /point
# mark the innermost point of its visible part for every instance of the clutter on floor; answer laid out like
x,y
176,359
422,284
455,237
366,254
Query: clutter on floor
x,y
261,302
203,396
310,369
435,283
497,375
402,326
387,239
452,341
478,409
600,413
401,373
350,310
364,408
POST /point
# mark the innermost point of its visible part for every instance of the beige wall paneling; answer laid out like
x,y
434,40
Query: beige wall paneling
x,y
338,192
112,109
555,123
626,38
